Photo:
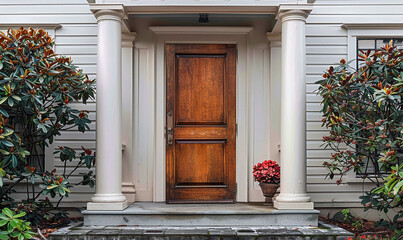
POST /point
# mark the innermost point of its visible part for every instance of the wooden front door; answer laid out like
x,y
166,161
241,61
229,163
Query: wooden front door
x,y
200,137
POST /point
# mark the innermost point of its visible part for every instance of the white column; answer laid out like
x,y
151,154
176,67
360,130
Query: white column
x,y
108,194
293,114
128,188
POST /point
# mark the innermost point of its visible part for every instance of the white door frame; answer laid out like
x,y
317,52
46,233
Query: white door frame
x,y
222,35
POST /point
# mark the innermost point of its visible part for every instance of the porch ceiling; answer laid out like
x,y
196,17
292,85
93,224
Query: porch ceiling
x,y
215,19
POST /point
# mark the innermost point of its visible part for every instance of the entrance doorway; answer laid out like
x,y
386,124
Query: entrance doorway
x,y
201,123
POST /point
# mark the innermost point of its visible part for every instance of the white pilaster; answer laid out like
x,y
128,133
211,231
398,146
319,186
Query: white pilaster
x,y
108,194
293,113
275,96
128,188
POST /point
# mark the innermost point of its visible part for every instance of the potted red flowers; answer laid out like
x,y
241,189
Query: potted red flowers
x,y
267,174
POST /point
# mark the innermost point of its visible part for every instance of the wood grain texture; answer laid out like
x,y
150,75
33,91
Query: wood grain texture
x,y
206,159
200,89
201,95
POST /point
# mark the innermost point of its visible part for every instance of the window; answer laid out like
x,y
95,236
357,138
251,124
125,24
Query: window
x,y
37,148
372,166
364,44
367,36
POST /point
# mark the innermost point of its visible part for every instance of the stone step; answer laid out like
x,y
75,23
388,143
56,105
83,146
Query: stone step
x,y
238,214
323,231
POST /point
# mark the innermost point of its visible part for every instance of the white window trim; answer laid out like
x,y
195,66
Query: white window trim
x,y
51,29
355,31
363,30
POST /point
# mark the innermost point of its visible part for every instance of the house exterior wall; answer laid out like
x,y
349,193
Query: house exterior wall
x,y
76,36
327,42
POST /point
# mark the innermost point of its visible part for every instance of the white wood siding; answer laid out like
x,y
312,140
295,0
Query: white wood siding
x,y
326,45
77,37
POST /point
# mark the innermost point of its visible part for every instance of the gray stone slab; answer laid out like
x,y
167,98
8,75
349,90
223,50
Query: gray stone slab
x,y
158,238
133,238
279,232
59,237
323,232
245,237
179,238
78,232
104,232
283,219
77,235
239,214
317,231
322,238
199,238
218,209
157,231
130,232
222,232
187,232
88,227
246,232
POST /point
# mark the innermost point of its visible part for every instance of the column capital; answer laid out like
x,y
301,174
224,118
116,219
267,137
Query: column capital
x,y
115,12
128,39
294,12
274,38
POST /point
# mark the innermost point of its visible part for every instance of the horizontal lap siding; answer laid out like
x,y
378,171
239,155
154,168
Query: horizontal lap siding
x,y
77,38
326,44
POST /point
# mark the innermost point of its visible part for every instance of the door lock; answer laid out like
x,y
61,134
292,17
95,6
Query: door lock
x,y
170,128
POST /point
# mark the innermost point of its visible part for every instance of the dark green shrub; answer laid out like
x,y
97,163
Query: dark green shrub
x,y
364,112
36,89
12,227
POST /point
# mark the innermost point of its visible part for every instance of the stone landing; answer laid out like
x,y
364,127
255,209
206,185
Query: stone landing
x,y
322,232
238,214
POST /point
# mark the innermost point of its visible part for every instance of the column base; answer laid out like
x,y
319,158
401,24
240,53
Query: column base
x,y
113,206
293,205
129,192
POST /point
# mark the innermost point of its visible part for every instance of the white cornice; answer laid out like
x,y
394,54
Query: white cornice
x,y
372,25
294,11
274,39
302,7
118,9
32,25
199,30
128,39
157,9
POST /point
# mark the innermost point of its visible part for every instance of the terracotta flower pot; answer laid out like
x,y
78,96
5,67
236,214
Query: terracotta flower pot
x,y
268,190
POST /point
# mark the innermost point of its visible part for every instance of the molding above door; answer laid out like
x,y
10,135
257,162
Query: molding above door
x,y
200,30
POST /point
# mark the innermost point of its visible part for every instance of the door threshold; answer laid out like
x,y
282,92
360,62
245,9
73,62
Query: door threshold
x,y
200,201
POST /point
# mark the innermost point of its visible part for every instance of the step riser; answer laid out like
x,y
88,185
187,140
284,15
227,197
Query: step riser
x,y
78,232
202,220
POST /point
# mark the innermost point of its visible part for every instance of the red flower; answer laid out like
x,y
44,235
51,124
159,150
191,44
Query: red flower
x,y
266,172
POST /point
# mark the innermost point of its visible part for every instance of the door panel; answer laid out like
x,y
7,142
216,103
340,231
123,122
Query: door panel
x,y
206,159
201,123
200,89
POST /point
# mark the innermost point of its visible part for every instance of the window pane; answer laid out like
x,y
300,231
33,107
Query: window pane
x,y
382,42
366,44
398,43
